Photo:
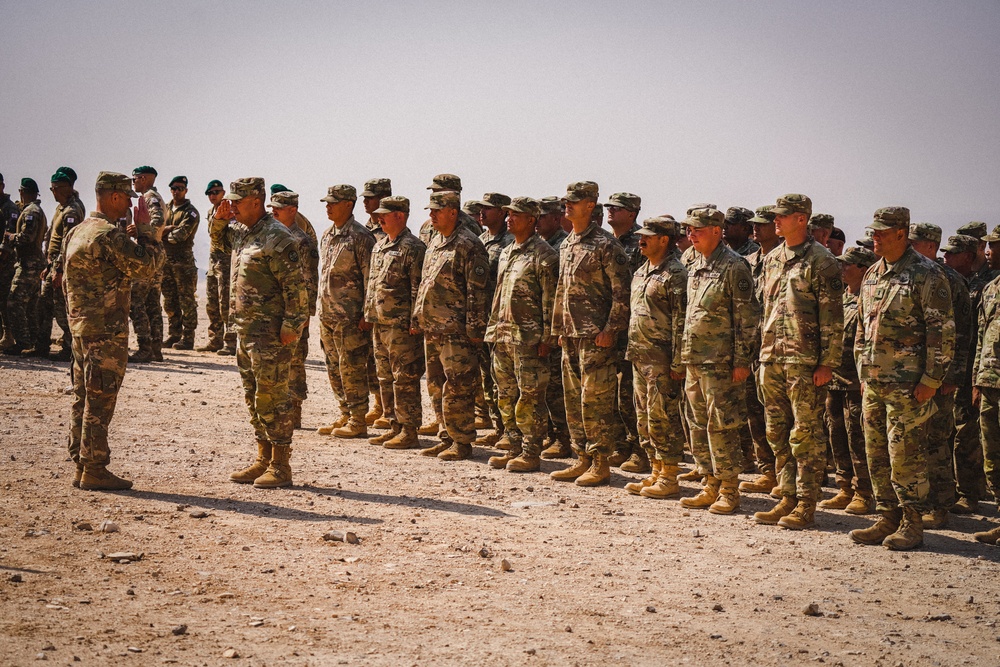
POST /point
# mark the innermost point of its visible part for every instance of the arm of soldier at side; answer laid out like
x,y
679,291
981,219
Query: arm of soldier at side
x,y
677,294
939,325
477,272
830,298
27,231
416,269
54,247
285,267
548,275
962,305
745,314
310,255
363,245
184,227
614,263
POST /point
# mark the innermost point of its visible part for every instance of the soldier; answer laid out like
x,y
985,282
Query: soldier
x,y
843,402
69,213
221,337
720,326
802,341
346,250
284,205
655,332
835,244
977,229
180,275
904,344
590,311
301,221
520,331
549,227
821,227
450,311
268,304
940,430
100,263
396,264
145,311
986,377
27,242
450,183
9,213
375,190
736,233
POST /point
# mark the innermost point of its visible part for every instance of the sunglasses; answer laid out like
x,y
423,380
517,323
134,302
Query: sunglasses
x,y
215,192
176,188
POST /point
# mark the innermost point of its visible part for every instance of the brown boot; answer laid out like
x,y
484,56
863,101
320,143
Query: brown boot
x,y
638,462
635,487
875,534
333,426
965,506
431,428
171,340
559,449
525,462
935,519
354,428
691,475
861,504
991,536
157,350
382,423
729,498
387,436
255,469
99,478
459,451
580,466
488,439
482,423
279,473
599,472
405,439
503,443
800,518
776,513
210,346
375,412
78,475
618,457
708,495
840,501
144,354
763,484
910,533
436,449
500,462
664,486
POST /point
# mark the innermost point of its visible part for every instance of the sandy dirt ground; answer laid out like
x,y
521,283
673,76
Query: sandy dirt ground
x,y
455,563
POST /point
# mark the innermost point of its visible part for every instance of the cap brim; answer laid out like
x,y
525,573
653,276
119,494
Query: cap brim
x,y
331,200
232,196
643,231
383,211
780,210
273,205
878,226
572,198
990,238
761,221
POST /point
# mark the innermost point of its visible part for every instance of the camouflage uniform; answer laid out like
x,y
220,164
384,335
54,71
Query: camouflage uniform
x,y
986,376
554,401
625,410
494,246
27,242
145,311
9,213
180,275
217,282
52,302
756,429
465,221
309,261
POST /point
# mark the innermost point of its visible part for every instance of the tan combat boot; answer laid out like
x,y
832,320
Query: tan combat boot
x,y
458,451
709,494
965,505
500,462
405,439
524,462
333,426
776,513
213,345
618,457
255,469
635,487
78,475
279,473
580,466
144,354
691,475
387,436
729,498
354,428
488,439
559,449
482,422
431,428
862,503
910,534
503,443
638,462
436,449
991,536
935,519
800,518
664,486
99,478
875,534
763,484
840,501
382,422
599,472
376,410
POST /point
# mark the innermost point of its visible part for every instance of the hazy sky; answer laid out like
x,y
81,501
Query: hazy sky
x,y
857,104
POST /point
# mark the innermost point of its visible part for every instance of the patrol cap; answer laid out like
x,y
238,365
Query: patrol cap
x,y
183,180
551,205
338,193
443,199
213,184
866,243
705,217
925,231
494,200
859,256
625,200
961,243
838,235
764,215
793,203
29,184
392,204
697,206
278,187
446,182
472,207
975,229
992,236
246,187
660,226
737,215
63,175
377,187
821,221
524,205
144,169
111,180
581,190
283,199
891,217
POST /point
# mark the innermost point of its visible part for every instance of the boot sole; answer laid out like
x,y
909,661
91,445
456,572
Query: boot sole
x,y
721,511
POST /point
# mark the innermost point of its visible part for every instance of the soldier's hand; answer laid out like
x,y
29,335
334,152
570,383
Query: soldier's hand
x,y
224,211
364,325
131,230
604,339
975,396
740,374
822,375
140,214
288,335
947,389
922,392
544,349
675,375
57,280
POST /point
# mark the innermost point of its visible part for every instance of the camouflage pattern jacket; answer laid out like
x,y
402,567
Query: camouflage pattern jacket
x,y
9,213
630,241
375,228
394,279
965,336
526,287
494,246
592,293
220,241
309,257
178,243
722,317
906,328
346,261
986,366
978,282
658,307
66,217
747,249
99,263
845,377
556,240
29,238
452,294
302,222
803,307
156,206
465,221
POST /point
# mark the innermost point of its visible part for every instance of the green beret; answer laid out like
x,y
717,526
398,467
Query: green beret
x,y
278,187
29,184
145,169
183,180
212,185
62,177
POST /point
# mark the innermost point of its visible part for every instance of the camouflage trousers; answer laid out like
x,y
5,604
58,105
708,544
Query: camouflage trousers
x,y
626,423
180,282
969,476
264,367
753,434
716,408
895,444
452,376
793,411
346,350
658,412
297,370
399,357
940,453
589,378
554,400
847,440
217,301
23,302
522,377
6,278
489,389
989,429
145,312
52,303
98,371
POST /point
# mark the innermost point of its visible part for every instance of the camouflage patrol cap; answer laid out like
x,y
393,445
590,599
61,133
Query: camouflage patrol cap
x,y
278,187
975,229
737,215
705,217
144,169
446,182
29,184
660,226
183,180
961,243
377,187
63,175
625,200
551,205
793,203
866,242
524,205
338,193
821,221
284,198
252,186
494,200
993,236
925,231
859,256
472,207
764,215
697,206
115,182
213,184
392,204
891,217
581,190
443,199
